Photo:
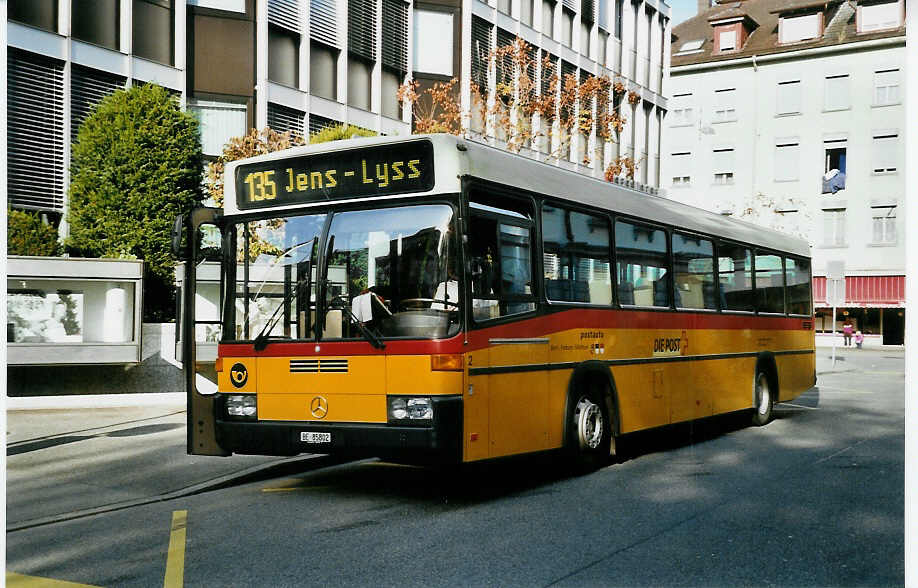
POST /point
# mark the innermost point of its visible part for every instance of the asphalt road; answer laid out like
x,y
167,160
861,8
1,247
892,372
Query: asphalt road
x,y
813,499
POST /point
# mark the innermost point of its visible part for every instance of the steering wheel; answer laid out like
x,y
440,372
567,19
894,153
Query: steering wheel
x,y
416,303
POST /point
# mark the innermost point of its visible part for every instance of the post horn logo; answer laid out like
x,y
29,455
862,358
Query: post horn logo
x,y
318,407
239,375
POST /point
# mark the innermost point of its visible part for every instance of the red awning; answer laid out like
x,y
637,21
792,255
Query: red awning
x,y
865,291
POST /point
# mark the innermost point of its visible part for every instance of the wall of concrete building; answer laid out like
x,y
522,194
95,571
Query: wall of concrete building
x,y
157,372
756,127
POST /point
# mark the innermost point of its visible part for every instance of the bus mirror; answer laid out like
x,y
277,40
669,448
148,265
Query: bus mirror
x,y
179,249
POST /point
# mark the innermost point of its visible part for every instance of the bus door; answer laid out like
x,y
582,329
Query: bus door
x,y
513,373
197,239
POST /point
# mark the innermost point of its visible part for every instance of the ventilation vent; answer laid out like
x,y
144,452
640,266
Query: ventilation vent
x,y
87,88
315,366
323,22
361,28
35,131
481,50
319,123
395,35
284,13
283,119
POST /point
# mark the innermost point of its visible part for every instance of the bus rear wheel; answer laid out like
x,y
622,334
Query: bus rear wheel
x,y
764,400
589,432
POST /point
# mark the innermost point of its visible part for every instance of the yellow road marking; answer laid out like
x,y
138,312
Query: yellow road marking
x,y
20,581
175,561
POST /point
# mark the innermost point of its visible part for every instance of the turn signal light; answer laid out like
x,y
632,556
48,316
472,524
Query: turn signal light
x,y
446,363
218,365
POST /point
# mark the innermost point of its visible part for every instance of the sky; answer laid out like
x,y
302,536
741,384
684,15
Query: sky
x,y
682,10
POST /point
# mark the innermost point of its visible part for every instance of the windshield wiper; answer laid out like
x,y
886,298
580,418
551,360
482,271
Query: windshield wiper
x,y
374,339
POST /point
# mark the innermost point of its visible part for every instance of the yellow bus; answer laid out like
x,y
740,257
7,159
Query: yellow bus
x,y
434,299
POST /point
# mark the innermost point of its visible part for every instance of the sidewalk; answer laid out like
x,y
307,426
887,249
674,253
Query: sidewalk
x,y
69,456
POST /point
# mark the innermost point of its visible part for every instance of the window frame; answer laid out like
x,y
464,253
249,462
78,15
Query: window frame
x,y
719,242
610,247
667,232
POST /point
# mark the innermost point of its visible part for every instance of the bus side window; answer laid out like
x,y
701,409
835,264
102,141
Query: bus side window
x,y
734,264
641,265
575,256
797,272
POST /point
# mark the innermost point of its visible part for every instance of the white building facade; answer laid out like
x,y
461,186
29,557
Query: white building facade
x,y
801,130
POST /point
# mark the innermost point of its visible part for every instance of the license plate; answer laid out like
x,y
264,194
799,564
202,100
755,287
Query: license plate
x,y
313,437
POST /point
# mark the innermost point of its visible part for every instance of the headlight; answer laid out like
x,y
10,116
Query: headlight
x,y
241,405
410,410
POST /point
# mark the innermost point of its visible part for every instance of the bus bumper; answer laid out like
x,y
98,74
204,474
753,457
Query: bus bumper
x,y
441,442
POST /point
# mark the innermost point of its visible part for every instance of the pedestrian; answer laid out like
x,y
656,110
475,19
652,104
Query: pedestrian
x,y
858,339
847,330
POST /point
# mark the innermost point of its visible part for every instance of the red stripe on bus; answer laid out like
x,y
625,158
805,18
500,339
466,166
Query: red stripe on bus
x,y
540,326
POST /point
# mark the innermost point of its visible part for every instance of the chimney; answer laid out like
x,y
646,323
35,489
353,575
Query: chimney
x,y
703,5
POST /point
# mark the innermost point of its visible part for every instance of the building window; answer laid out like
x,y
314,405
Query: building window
x,y
37,13
724,105
799,28
690,47
885,145
220,121
433,31
884,225
788,101
394,53
567,27
323,66
603,46
833,227
283,56
837,93
152,30
527,8
619,18
681,113
876,17
727,40
723,166
787,161
585,39
503,6
681,169
836,152
548,18
95,21
886,87
359,74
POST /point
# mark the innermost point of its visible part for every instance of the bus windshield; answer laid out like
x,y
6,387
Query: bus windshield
x,y
394,271
390,271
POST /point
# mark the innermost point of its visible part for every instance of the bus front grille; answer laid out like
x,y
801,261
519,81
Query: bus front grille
x,y
313,366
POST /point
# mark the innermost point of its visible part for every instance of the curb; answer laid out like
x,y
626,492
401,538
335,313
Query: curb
x,y
252,474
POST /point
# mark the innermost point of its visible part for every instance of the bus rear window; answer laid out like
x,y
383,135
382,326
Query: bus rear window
x,y
797,272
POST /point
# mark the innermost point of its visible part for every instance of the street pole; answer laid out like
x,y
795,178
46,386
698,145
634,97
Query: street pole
x,y
834,314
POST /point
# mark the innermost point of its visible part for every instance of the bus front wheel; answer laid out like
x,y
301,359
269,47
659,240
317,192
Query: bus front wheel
x,y
589,431
764,400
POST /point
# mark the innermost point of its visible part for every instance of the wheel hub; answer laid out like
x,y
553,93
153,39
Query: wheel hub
x,y
764,394
589,424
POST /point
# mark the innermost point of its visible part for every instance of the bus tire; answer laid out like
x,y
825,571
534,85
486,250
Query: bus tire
x,y
589,431
764,398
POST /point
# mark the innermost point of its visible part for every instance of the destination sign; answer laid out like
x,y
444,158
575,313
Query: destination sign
x,y
371,171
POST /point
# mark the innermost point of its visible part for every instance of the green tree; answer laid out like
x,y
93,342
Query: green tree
x,y
26,234
135,165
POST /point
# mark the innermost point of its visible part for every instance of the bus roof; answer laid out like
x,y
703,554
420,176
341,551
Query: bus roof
x,y
457,157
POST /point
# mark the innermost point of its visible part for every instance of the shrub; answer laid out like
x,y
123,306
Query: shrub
x,y
27,234
135,165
